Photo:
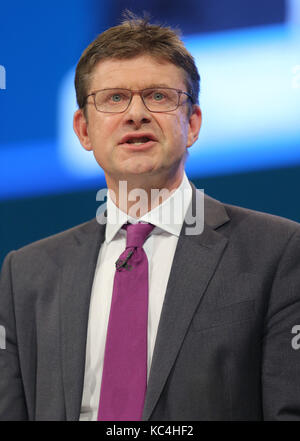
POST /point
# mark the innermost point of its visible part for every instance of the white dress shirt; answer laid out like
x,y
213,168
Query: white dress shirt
x,y
160,248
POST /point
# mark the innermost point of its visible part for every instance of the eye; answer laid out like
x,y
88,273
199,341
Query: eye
x,y
158,96
116,97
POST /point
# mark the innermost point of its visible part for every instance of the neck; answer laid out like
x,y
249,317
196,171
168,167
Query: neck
x,y
137,200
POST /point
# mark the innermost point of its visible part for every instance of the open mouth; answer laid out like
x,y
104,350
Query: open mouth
x,y
139,141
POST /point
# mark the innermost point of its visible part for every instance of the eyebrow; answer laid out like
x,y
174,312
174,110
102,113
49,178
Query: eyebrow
x,y
156,85
150,86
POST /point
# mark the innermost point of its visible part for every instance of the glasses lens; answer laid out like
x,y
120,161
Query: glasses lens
x,y
112,100
160,99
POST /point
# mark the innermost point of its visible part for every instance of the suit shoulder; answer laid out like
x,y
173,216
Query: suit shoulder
x,y
260,221
59,240
41,260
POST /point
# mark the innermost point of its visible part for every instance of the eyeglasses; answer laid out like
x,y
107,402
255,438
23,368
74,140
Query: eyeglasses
x,y
157,99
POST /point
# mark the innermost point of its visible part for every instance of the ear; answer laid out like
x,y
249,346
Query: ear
x,y
80,126
195,122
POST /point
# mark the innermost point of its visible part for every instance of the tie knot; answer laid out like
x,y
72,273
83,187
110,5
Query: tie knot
x,y
137,234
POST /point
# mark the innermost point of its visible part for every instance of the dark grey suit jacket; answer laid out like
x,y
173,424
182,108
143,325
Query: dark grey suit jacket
x,y
224,344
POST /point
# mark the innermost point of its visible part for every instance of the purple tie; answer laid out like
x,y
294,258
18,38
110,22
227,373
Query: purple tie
x,y
124,378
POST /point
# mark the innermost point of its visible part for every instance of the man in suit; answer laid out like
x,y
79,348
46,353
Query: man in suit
x,y
224,282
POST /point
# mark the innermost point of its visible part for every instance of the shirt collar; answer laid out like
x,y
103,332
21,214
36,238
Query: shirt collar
x,y
168,216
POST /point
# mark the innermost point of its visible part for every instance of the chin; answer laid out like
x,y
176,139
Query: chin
x,y
140,168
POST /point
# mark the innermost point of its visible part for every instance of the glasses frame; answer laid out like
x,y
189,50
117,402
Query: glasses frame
x,y
140,92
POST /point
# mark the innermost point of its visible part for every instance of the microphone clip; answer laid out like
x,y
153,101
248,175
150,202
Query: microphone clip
x,y
123,263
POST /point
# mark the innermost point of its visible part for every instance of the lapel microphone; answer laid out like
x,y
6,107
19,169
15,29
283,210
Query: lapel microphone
x,y
123,263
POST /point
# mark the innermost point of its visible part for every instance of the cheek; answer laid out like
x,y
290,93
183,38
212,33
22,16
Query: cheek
x,y
180,131
100,134
174,127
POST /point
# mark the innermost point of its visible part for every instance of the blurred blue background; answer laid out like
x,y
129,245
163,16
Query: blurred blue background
x,y
248,152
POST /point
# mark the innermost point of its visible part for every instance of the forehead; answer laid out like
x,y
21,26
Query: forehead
x,y
136,73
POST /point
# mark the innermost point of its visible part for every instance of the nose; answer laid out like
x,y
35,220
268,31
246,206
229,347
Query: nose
x,y
137,113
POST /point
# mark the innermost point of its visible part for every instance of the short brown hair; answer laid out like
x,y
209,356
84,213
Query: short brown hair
x,y
136,36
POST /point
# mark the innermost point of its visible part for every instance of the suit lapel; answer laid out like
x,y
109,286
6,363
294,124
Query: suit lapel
x,y
76,285
194,264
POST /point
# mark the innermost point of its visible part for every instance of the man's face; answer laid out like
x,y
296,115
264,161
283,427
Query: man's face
x,y
161,160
